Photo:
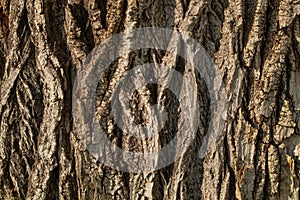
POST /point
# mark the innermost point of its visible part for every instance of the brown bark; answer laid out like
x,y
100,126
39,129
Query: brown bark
x,y
256,46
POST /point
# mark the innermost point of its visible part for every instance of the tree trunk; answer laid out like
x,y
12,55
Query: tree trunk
x,y
255,45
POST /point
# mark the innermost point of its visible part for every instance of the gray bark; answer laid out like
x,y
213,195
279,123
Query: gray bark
x,y
256,47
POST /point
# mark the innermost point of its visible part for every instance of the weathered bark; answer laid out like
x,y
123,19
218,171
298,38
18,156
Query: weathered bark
x,y
256,46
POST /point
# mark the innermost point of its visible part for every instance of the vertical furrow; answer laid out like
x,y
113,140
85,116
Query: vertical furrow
x,y
75,24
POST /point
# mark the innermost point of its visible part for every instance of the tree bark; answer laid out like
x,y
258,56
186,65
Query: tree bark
x,y
255,45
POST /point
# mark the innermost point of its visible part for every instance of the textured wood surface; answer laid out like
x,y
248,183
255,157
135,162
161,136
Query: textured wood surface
x,y
256,46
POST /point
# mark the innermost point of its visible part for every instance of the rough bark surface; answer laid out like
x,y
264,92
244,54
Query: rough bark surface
x,y
256,46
